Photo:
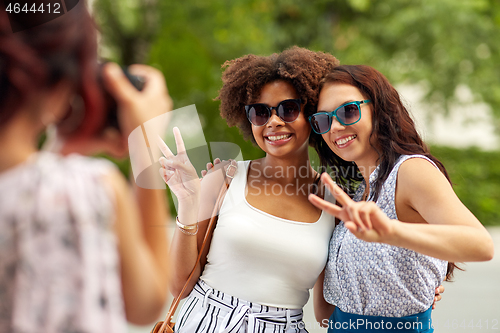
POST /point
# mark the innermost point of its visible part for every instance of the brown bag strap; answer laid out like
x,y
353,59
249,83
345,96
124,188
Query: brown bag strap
x,y
228,176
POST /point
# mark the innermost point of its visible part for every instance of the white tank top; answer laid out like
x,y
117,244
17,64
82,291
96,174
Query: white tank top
x,y
263,258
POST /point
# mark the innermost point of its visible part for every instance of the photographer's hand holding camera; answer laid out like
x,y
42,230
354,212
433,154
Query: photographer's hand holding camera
x,y
136,107
133,108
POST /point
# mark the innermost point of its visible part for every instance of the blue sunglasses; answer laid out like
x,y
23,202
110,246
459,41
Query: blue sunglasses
x,y
346,114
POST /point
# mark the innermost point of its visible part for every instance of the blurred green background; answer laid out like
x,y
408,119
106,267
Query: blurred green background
x,y
436,44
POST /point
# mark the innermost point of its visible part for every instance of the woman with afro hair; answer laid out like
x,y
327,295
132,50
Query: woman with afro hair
x,y
270,243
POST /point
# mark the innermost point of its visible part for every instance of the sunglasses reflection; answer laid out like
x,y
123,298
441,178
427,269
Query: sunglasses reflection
x,y
259,113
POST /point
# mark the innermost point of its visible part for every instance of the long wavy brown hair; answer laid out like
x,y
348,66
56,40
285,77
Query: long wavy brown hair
x,y
393,130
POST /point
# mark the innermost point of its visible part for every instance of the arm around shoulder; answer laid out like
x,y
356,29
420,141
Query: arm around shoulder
x,y
322,309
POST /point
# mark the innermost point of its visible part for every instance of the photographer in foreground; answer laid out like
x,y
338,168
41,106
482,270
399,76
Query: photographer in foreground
x,y
79,250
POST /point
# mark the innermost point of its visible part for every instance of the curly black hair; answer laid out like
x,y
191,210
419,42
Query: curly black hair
x,y
244,77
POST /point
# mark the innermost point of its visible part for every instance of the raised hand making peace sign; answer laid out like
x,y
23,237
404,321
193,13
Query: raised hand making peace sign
x,y
177,171
364,219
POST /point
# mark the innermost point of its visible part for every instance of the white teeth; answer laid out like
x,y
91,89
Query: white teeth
x,y
345,140
278,137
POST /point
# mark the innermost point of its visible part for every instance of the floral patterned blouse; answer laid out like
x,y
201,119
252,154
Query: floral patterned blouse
x,y
59,266
377,279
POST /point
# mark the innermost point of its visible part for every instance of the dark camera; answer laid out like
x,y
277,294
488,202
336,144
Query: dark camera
x,y
110,104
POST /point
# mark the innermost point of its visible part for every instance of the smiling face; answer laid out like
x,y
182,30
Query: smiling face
x,y
278,138
351,143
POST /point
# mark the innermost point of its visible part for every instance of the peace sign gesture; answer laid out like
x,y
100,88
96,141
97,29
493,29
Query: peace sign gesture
x,y
177,171
364,219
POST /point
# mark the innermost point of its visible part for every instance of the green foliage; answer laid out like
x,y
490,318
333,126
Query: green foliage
x,y
442,44
476,180
128,27
438,44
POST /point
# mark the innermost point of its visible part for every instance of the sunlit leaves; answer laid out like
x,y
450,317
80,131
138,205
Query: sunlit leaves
x,y
444,43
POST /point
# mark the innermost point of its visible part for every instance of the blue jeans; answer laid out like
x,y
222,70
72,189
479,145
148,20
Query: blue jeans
x,y
352,323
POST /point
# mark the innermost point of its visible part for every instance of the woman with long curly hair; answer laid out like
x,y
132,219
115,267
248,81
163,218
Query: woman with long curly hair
x,y
403,227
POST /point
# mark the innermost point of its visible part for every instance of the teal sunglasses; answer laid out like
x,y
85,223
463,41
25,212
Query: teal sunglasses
x,y
346,114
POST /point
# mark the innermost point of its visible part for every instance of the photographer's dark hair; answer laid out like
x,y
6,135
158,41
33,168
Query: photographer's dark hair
x,y
243,79
393,129
38,58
